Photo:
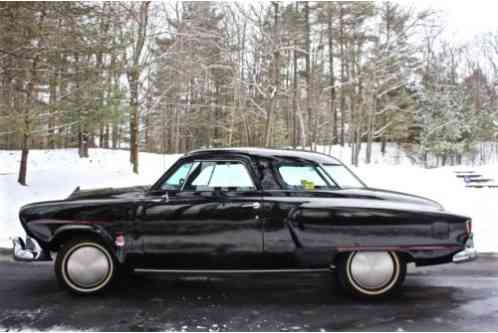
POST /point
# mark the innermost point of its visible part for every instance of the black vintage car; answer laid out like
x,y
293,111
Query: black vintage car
x,y
245,210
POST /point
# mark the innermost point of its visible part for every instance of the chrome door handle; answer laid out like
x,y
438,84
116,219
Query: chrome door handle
x,y
255,205
162,198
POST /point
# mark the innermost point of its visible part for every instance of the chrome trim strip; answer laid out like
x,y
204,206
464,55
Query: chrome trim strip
x,y
233,271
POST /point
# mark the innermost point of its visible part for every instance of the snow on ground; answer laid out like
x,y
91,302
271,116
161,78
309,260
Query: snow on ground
x,y
54,175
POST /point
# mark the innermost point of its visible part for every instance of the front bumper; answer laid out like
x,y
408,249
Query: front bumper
x,y
468,253
28,250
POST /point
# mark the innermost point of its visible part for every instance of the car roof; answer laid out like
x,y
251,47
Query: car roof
x,y
276,154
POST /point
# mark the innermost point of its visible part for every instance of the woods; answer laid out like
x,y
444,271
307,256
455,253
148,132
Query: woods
x,y
171,77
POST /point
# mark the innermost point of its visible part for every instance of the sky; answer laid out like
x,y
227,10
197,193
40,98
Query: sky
x,y
464,19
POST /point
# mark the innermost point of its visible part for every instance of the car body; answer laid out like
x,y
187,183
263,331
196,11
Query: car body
x,y
246,209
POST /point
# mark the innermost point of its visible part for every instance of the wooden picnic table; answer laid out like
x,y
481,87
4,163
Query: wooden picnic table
x,y
479,180
469,176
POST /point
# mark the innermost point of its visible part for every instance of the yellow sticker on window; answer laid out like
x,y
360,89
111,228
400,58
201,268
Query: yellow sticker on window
x,y
308,185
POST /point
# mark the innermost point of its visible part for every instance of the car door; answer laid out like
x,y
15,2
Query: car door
x,y
209,221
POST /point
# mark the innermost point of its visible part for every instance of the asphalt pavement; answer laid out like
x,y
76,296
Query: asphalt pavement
x,y
450,297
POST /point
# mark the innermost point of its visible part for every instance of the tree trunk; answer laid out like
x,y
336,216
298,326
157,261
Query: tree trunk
x,y
30,92
370,129
23,169
333,110
294,100
106,136
52,100
307,58
133,80
383,145
114,136
342,105
82,143
275,79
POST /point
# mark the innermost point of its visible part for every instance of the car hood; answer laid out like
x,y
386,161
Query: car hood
x,y
109,193
94,195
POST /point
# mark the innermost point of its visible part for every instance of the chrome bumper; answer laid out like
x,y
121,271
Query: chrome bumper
x,y
467,254
28,250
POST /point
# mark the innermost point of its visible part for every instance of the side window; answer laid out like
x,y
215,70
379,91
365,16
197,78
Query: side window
x,y
302,176
176,180
231,175
219,174
202,174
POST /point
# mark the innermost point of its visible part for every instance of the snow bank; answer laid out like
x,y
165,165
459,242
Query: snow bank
x,y
55,174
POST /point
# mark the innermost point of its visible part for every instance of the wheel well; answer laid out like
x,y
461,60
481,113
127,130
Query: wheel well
x,y
71,234
406,256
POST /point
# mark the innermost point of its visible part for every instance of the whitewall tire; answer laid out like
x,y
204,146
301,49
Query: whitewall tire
x,y
371,274
85,266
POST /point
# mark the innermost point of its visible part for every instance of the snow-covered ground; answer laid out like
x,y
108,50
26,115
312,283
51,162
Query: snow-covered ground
x,y
55,174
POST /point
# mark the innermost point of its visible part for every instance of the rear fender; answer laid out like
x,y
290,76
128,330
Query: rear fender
x,y
425,239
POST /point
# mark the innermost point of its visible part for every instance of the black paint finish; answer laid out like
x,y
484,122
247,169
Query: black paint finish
x,y
270,226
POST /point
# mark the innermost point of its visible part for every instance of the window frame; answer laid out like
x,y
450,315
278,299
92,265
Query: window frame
x,y
317,167
214,188
244,160
322,166
172,173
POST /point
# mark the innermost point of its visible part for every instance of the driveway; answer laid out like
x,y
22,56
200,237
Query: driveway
x,y
443,298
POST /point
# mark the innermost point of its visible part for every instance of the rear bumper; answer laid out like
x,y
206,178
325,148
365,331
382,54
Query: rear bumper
x,y
28,250
468,253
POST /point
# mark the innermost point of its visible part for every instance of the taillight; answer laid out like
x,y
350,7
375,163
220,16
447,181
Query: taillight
x,y
120,240
468,227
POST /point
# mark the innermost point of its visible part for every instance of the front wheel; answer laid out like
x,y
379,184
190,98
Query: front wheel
x,y
85,266
371,274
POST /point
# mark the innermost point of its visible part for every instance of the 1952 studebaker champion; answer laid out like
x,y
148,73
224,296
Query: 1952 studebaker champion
x,y
245,210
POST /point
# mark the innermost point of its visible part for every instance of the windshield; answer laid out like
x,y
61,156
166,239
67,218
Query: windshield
x,y
341,176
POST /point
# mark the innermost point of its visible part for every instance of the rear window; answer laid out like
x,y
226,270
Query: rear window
x,y
340,175
306,177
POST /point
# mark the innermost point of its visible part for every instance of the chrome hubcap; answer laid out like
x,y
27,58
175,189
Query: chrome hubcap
x,y
88,266
372,270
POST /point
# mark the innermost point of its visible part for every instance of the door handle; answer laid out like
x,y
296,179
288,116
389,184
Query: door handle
x,y
254,205
162,198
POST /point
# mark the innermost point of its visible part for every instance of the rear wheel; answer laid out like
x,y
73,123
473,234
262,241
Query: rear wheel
x,y
85,266
371,274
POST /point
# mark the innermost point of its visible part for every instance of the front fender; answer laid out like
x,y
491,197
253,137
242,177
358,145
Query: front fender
x,y
64,232
67,232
